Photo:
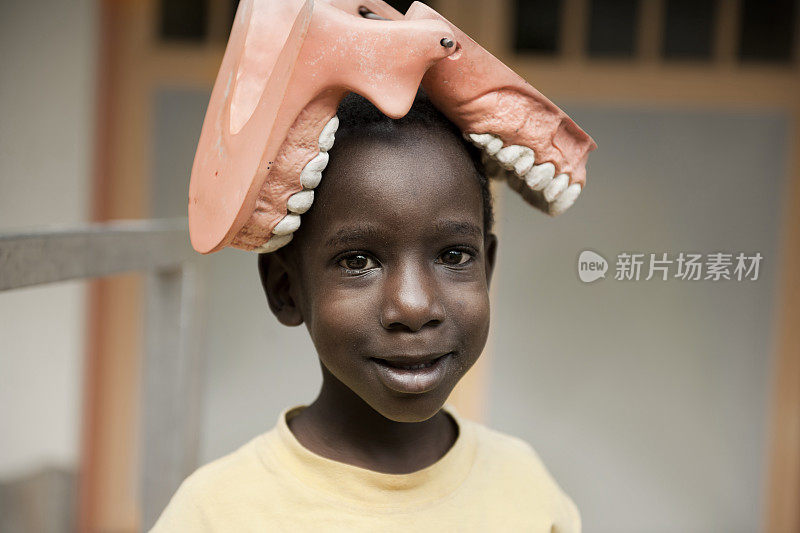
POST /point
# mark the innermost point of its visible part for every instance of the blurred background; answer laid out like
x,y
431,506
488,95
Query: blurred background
x,y
663,406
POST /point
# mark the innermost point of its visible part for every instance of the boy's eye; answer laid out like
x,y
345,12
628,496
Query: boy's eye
x,y
357,262
455,257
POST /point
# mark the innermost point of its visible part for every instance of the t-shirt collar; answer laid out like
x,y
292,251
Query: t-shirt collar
x,y
360,485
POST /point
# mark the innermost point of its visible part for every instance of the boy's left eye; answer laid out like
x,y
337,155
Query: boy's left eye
x,y
455,257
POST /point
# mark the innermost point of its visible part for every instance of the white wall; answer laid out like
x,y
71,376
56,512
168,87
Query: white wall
x,y
47,85
648,399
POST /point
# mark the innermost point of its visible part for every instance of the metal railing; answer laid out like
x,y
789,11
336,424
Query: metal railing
x,y
172,370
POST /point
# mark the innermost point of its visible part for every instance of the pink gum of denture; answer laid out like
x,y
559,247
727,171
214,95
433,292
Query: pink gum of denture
x,y
287,66
480,94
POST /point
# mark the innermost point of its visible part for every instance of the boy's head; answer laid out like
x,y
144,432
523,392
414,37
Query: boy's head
x,y
391,266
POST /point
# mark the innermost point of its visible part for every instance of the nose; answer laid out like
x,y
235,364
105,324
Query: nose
x,y
411,299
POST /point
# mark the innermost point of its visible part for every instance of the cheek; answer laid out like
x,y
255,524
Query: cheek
x,y
469,309
340,322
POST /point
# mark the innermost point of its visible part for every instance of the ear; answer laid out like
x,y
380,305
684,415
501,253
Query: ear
x,y
275,278
490,253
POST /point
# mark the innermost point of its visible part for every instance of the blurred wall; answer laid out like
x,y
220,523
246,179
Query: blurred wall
x,y
647,400
256,367
47,85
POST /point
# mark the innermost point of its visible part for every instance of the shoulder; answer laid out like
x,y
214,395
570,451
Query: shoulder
x,y
212,487
238,466
524,474
512,450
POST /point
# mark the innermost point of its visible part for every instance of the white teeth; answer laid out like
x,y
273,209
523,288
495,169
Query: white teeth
x,y
540,175
555,190
287,225
487,141
275,242
326,138
509,155
565,199
555,187
312,173
300,202
524,163
310,179
493,146
319,162
481,139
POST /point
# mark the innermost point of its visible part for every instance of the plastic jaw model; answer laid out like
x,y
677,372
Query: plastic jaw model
x,y
271,119
525,138
541,149
272,115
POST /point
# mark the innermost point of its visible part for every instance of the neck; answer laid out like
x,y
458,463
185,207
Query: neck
x,y
339,425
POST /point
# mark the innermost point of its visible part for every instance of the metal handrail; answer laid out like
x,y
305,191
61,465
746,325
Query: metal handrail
x,y
60,253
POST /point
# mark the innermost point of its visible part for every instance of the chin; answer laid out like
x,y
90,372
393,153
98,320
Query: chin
x,y
410,407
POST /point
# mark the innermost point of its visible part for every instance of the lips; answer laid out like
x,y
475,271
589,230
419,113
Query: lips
x,y
413,375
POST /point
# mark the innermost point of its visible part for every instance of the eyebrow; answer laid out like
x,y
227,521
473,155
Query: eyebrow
x,y
354,234
350,234
458,227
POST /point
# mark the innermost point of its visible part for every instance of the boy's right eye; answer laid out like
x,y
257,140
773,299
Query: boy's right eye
x,y
357,262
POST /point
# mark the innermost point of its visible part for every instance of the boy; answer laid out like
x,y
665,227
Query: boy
x,y
389,270
390,274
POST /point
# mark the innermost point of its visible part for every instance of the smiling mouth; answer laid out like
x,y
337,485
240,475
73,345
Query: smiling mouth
x,y
414,375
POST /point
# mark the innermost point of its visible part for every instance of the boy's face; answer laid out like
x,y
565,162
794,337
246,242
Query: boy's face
x,y
391,266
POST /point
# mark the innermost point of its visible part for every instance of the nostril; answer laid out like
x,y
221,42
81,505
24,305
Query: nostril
x,y
411,326
412,319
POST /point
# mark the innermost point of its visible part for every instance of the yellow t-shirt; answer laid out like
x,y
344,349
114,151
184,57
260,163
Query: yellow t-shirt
x,y
487,481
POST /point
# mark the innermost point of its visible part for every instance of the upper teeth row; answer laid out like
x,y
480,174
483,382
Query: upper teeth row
x,y
300,202
556,190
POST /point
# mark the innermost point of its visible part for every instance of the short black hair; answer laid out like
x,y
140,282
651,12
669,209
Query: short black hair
x,y
357,114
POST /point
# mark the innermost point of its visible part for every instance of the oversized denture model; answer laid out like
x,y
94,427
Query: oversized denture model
x,y
288,64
